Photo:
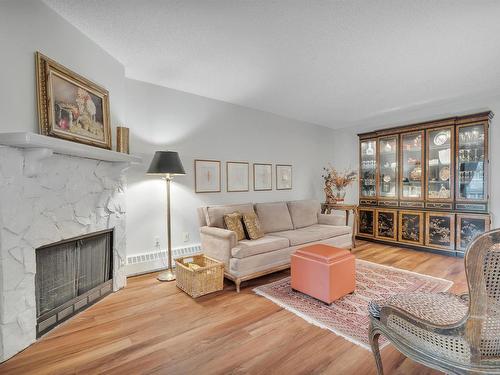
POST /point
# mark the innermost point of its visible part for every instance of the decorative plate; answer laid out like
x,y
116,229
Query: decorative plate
x,y
441,138
416,174
444,174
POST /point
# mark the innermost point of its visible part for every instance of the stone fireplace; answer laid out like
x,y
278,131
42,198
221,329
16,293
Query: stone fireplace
x,y
49,194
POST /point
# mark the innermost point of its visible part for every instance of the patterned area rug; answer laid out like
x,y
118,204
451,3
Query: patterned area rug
x,y
348,316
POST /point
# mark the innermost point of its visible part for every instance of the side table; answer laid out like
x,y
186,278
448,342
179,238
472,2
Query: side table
x,y
327,208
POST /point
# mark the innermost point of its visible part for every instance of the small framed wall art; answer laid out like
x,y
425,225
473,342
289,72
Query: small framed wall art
x,y
283,177
207,176
70,106
262,177
237,174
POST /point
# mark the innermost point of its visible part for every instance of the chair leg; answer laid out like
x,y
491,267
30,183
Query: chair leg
x,y
237,282
374,336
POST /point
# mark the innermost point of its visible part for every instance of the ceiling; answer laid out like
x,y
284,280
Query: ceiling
x,y
333,63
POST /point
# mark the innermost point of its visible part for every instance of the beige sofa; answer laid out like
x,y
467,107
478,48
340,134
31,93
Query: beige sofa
x,y
287,227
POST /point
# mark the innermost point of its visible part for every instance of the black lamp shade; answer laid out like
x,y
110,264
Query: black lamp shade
x,y
166,162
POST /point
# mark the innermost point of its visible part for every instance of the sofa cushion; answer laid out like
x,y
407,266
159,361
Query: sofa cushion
x,y
274,217
252,225
316,232
215,214
304,213
247,248
234,222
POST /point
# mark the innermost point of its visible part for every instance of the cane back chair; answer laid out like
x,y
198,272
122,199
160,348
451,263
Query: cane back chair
x,y
454,334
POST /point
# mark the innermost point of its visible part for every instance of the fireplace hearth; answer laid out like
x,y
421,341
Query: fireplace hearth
x,y
72,275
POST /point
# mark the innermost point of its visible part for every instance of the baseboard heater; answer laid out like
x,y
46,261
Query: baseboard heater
x,y
156,260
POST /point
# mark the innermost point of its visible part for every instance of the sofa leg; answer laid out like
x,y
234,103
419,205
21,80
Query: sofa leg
x,y
237,282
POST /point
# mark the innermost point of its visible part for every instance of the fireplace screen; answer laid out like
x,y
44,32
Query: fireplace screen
x,y
71,275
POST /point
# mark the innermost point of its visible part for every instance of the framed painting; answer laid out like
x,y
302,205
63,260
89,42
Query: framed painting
x,y
262,177
207,176
237,175
70,106
283,177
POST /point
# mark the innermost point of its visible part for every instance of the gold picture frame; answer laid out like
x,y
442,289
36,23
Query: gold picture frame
x,y
70,106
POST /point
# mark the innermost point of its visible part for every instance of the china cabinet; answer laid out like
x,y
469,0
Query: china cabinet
x,y
425,185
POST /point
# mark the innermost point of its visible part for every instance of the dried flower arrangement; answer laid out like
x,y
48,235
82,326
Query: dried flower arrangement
x,y
336,182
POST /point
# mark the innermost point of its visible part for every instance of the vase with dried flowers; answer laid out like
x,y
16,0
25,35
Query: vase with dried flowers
x,y
336,182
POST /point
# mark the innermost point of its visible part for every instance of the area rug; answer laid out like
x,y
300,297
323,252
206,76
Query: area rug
x,y
348,316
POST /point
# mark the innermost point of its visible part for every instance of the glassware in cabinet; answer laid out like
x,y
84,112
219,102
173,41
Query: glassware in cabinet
x,y
368,168
412,156
388,167
471,159
440,164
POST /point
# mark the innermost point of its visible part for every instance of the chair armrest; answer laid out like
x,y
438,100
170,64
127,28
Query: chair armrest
x,y
217,243
328,219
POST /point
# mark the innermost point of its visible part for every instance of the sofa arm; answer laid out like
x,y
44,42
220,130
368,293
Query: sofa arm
x,y
217,243
328,219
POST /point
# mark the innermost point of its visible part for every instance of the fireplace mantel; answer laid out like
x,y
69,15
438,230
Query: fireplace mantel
x,y
38,142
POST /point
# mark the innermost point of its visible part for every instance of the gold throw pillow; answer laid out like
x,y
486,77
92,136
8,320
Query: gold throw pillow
x,y
233,222
252,225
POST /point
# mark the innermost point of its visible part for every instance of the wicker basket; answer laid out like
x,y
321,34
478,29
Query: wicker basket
x,y
198,275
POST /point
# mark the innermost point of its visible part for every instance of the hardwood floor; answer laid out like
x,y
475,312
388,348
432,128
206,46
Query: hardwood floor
x,y
153,328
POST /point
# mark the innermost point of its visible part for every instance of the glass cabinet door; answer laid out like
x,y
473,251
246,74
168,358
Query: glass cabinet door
x,y
368,168
439,167
412,177
388,167
471,140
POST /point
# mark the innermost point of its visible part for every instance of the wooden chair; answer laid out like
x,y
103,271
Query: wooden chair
x,y
454,334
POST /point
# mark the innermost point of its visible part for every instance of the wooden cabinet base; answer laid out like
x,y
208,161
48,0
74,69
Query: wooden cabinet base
x,y
457,253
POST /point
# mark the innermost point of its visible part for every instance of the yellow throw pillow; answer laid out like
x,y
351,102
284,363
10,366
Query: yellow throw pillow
x,y
233,222
252,225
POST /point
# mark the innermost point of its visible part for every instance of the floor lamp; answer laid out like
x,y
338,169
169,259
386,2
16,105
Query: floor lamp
x,y
167,164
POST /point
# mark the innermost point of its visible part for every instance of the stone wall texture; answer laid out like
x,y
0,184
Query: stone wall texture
x,y
66,197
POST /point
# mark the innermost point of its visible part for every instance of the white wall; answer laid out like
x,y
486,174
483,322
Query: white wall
x,y
28,26
345,144
159,119
164,119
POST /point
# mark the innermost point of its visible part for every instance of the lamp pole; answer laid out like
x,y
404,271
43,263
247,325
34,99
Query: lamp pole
x,y
169,274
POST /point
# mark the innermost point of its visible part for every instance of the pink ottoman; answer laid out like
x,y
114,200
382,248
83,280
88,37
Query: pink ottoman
x,y
323,272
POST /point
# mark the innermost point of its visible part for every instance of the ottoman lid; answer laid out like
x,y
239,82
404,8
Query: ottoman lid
x,y
323,253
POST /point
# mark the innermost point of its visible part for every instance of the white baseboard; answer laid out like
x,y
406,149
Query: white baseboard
x,y
156,260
